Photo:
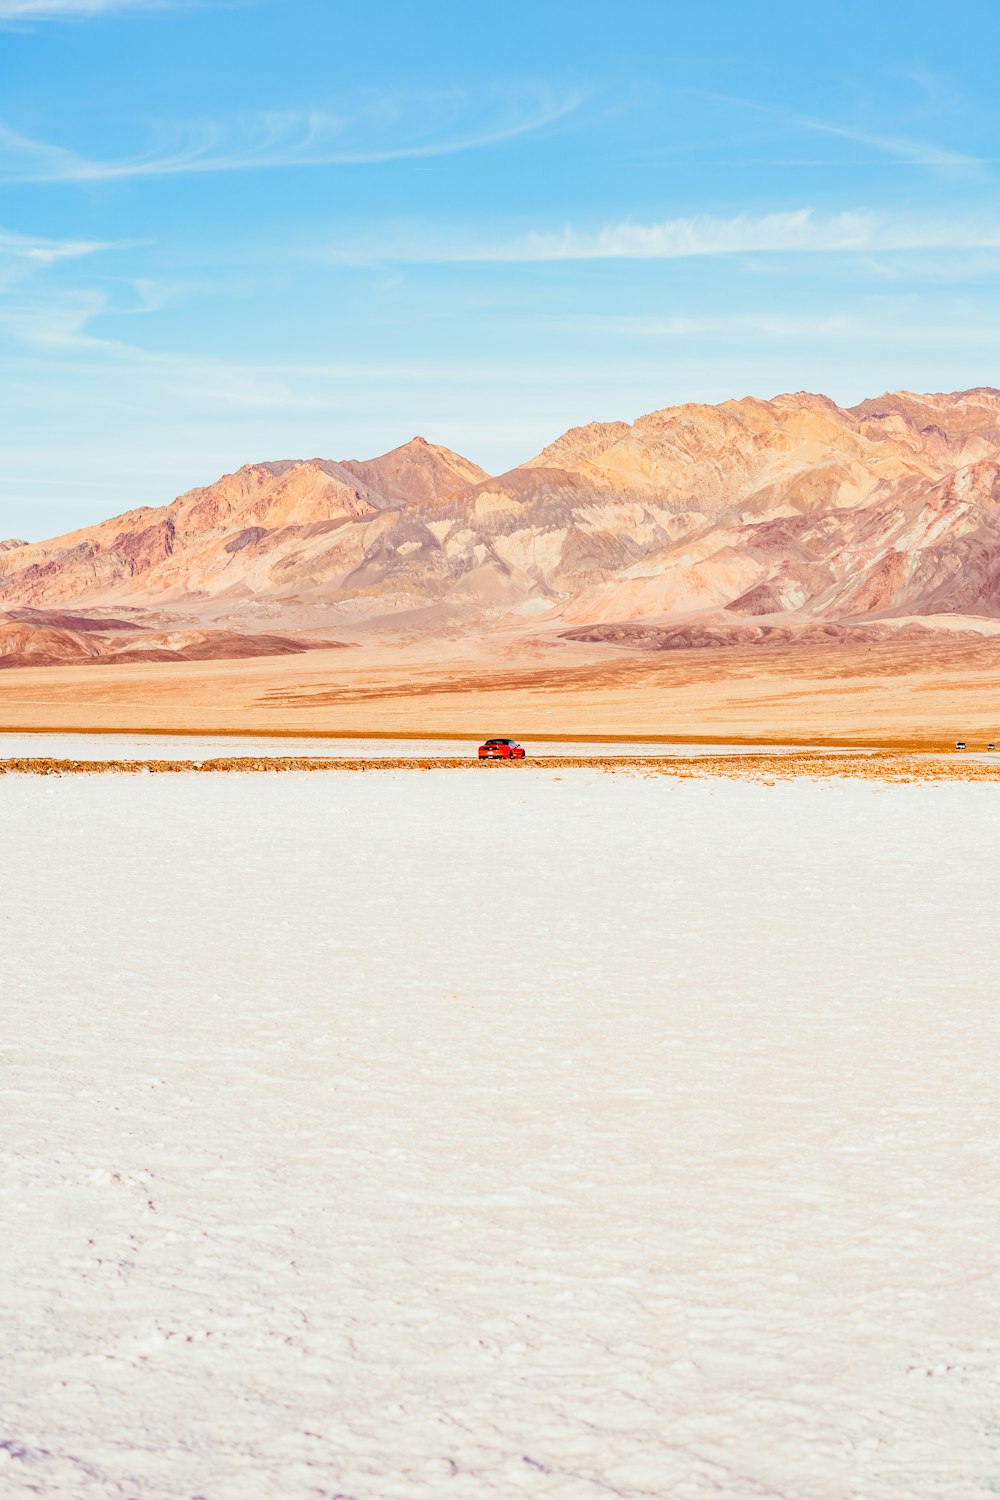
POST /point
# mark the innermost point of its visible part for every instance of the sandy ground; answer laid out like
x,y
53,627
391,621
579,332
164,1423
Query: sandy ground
x,y
898,694
401,1136
758,765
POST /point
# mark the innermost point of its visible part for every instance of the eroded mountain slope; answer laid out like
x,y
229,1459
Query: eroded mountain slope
x,y
794,511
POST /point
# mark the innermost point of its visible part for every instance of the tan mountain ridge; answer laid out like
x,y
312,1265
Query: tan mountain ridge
x,y
752,520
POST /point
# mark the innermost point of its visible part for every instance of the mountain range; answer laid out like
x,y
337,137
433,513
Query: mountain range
x,y
793,519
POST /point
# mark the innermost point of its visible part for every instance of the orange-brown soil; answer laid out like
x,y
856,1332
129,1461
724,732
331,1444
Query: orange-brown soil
x,y
886,694
762,767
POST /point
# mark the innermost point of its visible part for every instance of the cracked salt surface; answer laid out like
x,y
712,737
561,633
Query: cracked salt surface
x,y
581,1136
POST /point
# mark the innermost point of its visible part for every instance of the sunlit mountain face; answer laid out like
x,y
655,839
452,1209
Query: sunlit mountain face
x,y
752,520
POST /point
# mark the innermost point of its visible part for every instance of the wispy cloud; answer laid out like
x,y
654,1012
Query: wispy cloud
x,y
766,330
799,231
920,153
46,10
36,306
43,252
57,322
25,259
729,326
943,159
676,239
376,130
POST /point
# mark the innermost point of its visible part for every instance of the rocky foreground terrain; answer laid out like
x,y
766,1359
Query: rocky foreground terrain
x,y
787,521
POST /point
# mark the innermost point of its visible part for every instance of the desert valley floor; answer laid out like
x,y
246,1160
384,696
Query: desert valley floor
x,y
551,1134
900,693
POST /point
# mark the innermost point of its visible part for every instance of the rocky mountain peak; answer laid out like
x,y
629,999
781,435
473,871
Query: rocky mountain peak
x,y
790,511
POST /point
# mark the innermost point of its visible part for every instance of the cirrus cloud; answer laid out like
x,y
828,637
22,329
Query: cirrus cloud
x,y
376,129
793,232
69,10
45,252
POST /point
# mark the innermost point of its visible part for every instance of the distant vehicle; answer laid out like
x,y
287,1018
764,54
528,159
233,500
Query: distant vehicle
x,y
959,744
501,750
991,746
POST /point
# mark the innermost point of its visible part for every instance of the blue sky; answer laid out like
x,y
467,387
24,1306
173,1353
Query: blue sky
x,y
282,228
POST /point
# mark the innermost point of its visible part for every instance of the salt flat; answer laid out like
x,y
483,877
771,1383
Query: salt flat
x,y
562,1135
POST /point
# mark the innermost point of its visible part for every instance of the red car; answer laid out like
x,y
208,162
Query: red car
x,y
501,750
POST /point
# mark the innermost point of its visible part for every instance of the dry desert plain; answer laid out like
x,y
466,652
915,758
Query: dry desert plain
x,y
896,695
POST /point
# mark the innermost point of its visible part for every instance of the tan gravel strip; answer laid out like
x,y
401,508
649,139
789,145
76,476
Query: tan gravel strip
x,y
873,766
